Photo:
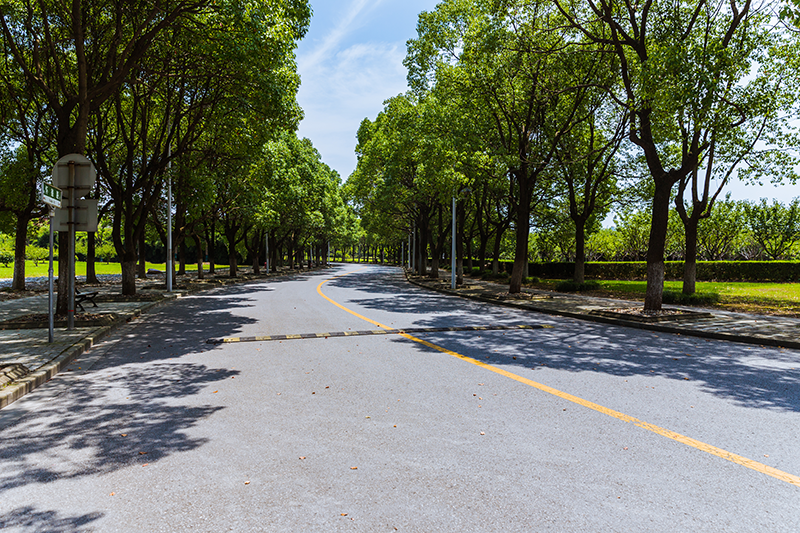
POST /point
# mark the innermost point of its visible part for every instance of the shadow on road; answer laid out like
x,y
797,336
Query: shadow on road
x,y
29,519
129,402
751,376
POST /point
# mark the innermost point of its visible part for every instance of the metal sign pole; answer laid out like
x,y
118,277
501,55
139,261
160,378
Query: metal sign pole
x,y
50,280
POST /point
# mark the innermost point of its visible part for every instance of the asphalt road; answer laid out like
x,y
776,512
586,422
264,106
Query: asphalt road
x,y
578,427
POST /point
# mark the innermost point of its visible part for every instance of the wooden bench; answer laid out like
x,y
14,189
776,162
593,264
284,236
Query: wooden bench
x,y
81,297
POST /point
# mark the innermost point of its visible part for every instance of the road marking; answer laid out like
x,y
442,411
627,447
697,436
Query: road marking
x,y
392,331
683,439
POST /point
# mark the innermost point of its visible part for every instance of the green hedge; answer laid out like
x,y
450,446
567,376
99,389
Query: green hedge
x,y
706,270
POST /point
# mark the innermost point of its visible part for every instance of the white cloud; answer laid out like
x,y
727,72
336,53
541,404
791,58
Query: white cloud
x,y
338,93
357,9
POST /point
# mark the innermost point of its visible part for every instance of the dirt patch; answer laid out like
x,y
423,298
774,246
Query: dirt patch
x,y
41,320
638,314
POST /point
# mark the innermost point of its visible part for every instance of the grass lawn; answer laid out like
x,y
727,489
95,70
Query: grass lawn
x,y
763,297
40,270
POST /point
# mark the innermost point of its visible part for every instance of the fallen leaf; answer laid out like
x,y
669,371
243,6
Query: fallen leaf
x,y
142,453
766,455
353,468
123,434
303,457
216,391
482,433
344,514
145,464
246,482
111,494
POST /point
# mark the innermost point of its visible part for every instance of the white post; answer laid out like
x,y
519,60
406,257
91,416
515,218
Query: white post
x,y
453,249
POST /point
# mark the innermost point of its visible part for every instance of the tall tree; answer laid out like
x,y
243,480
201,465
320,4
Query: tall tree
x,y
77,55
680,63
507,61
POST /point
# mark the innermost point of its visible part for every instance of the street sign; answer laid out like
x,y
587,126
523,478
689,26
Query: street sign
x,y
51,195
85,174
85,217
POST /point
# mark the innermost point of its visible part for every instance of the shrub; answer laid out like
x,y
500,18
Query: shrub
x,y
489,276
6,257
571,286
678,298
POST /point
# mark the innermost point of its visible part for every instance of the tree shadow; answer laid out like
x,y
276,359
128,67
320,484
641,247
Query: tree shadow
x,y
750,376
753,377
106,431
129,402
29,519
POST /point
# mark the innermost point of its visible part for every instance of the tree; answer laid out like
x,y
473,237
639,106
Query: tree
x,y
749,140
680,63
77,55
509,63
775,227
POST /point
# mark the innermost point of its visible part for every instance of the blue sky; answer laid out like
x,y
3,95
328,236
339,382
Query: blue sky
x,y
351,61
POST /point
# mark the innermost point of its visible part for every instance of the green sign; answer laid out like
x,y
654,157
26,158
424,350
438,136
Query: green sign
x,y
51,195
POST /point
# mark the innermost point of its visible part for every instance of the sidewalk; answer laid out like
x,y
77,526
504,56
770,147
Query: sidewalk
x,y
762,330
27,359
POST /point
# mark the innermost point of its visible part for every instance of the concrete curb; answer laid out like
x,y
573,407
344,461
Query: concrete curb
x,y
17,389
661,328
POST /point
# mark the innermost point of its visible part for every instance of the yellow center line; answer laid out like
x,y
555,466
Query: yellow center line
x,y
683,439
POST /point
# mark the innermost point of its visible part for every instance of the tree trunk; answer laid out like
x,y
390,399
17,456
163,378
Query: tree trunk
x,y
182,258
460,243
62,300
142,266
91,258
129,275
199,256
523,228
580,251
656,246
20,242
690,261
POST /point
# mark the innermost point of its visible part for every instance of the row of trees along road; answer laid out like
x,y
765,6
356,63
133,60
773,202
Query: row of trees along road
x,y
522,109
201,93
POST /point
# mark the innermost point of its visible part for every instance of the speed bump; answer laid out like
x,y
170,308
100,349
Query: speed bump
x,y
264,338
